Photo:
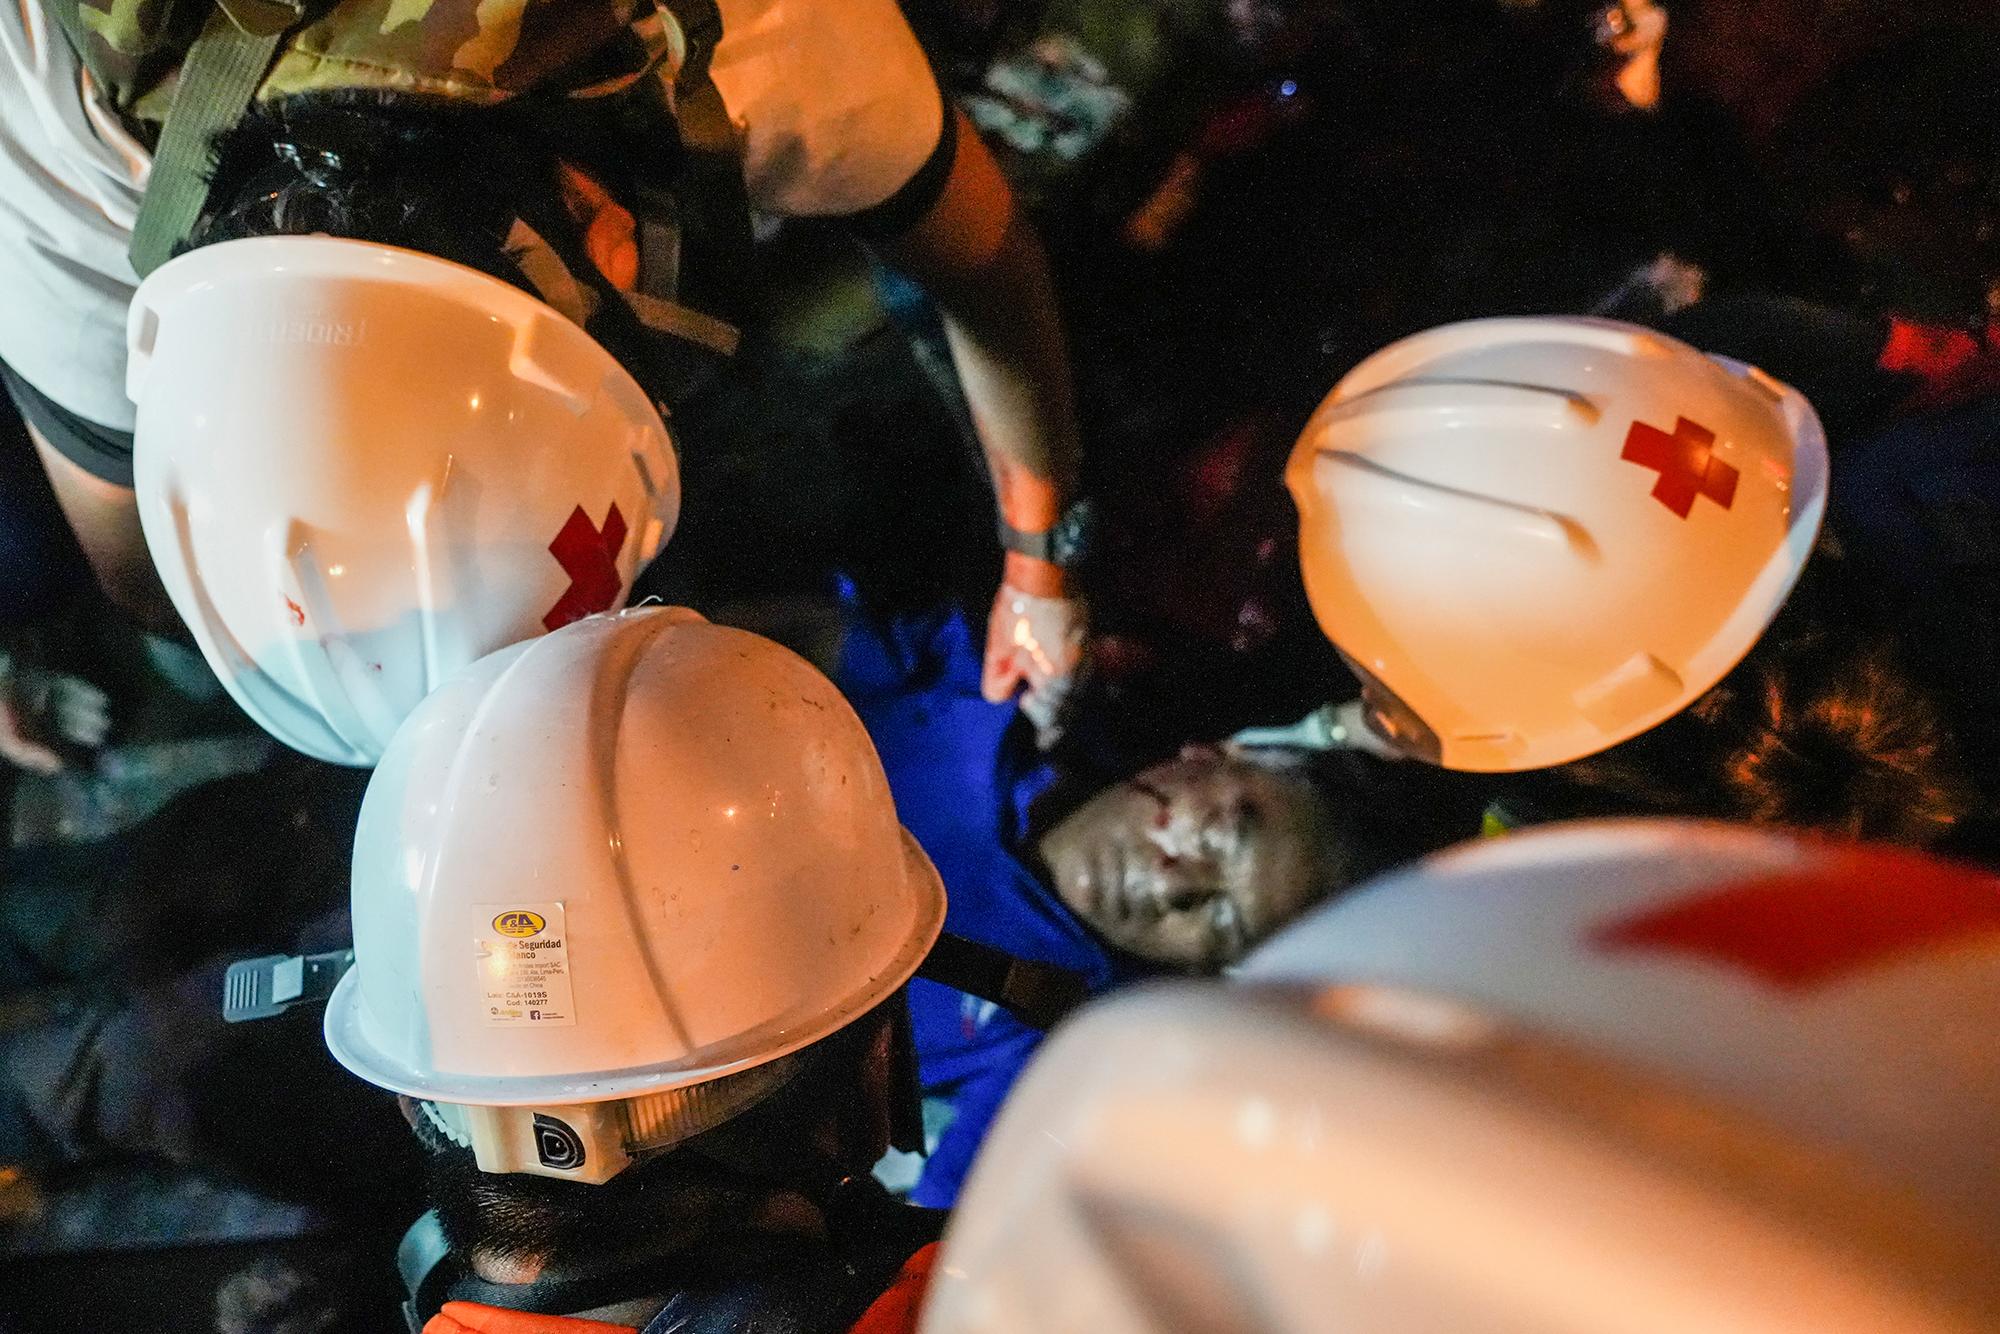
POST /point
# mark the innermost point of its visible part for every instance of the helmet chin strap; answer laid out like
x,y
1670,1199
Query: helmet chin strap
x,y
580,298
266,987
1329,727
553,281
1040,995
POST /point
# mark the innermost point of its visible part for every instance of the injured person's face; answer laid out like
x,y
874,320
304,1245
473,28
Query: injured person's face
x,y
1195,860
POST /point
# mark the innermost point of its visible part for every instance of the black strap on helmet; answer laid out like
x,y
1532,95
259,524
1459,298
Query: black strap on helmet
x,y
217,80
1040,995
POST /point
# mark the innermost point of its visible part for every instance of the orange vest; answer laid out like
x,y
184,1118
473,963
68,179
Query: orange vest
x,y
894,1312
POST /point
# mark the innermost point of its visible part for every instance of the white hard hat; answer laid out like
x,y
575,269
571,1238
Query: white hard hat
x,y
605,881
1604,1078
360,468
1535,538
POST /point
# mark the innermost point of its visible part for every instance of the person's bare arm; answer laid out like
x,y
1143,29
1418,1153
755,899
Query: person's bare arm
x,y
105,518
978,257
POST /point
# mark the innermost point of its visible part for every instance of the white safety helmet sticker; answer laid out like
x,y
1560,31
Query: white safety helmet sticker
x,y
523,959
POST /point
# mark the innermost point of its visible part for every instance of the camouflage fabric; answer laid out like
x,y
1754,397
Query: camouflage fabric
x,y
695,228
130,45
475,50
482,51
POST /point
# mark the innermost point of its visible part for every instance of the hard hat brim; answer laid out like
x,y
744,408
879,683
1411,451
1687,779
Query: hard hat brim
x,y
348,1039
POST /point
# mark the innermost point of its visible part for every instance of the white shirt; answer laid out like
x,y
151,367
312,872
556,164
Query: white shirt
x,y
834,98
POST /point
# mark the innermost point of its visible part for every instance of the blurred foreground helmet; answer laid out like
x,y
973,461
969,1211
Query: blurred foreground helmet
x,y
608,881
1535,538
361,468
1646,1077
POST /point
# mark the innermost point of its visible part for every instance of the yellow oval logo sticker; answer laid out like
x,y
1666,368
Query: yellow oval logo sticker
x,y
519,922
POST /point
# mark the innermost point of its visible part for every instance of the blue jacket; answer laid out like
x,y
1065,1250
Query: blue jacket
x,y
963,775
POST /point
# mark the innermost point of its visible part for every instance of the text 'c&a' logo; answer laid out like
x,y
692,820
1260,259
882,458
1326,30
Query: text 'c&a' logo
x,y
519,922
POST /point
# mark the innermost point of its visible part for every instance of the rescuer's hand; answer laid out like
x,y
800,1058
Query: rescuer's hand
x,y
1035,639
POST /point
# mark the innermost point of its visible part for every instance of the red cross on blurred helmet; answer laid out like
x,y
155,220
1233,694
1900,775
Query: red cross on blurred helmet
x,y
1619,1075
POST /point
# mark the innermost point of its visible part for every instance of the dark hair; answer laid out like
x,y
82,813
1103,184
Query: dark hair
x,y
667,1203
447,180
1821,726
1386,813
710,1186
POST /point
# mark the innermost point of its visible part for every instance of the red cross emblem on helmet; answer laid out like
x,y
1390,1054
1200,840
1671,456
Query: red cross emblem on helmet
x,y
589,556
1686,463
1823,922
